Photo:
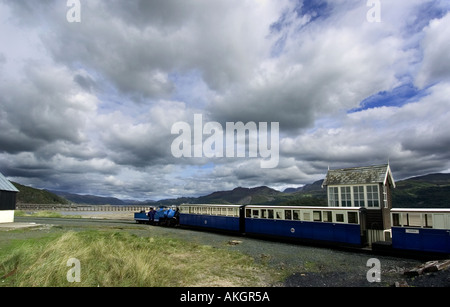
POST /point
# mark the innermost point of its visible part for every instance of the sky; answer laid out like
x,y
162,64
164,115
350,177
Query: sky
x,y
91,91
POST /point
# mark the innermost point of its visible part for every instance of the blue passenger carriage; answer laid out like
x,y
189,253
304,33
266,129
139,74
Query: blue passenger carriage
x,y
310,224
211,216
426,230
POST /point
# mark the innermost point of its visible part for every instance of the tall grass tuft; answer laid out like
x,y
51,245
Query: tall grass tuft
x,y
110,259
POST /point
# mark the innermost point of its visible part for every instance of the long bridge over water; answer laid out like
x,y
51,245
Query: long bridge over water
x,y
76,207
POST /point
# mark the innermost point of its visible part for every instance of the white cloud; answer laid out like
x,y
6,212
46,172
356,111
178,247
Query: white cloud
x,y
436,58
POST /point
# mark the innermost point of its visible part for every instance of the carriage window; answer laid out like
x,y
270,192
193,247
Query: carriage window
x,y
296,215
270,213
352,217
255,213
439,220
414,220
317,216
404,219
327,216
248,212
279,215
340,217
396,219
428,220
263,213
306,216
230,212
288,214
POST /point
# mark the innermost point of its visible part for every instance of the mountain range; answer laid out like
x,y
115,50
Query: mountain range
x,y
432,191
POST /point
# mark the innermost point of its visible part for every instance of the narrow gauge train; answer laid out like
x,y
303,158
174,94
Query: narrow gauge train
x,y
422,230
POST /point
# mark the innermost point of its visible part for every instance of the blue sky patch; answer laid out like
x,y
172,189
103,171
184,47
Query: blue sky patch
x,y
398,97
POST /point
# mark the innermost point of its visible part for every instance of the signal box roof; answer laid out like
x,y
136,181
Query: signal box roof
x,y
360,175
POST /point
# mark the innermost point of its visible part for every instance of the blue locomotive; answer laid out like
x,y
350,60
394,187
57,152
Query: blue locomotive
x,y
164,216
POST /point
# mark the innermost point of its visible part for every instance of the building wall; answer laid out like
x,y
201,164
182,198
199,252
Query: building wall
x,y
6,216
374,219
7,200
7,206
386,211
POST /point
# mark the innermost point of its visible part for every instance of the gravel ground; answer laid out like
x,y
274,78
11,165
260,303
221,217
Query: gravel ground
x,y
307,266
347,279
295,265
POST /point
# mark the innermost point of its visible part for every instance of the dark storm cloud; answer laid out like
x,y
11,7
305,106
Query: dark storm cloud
x,y
40,109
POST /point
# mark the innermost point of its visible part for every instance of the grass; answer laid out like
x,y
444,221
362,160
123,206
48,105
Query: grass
x,y
52,214
116,259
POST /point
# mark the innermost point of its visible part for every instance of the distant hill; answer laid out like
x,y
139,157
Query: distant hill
x,y
242,196
238,195
90,199
309,195
429,191
99,200
438,179
28,195
315,187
